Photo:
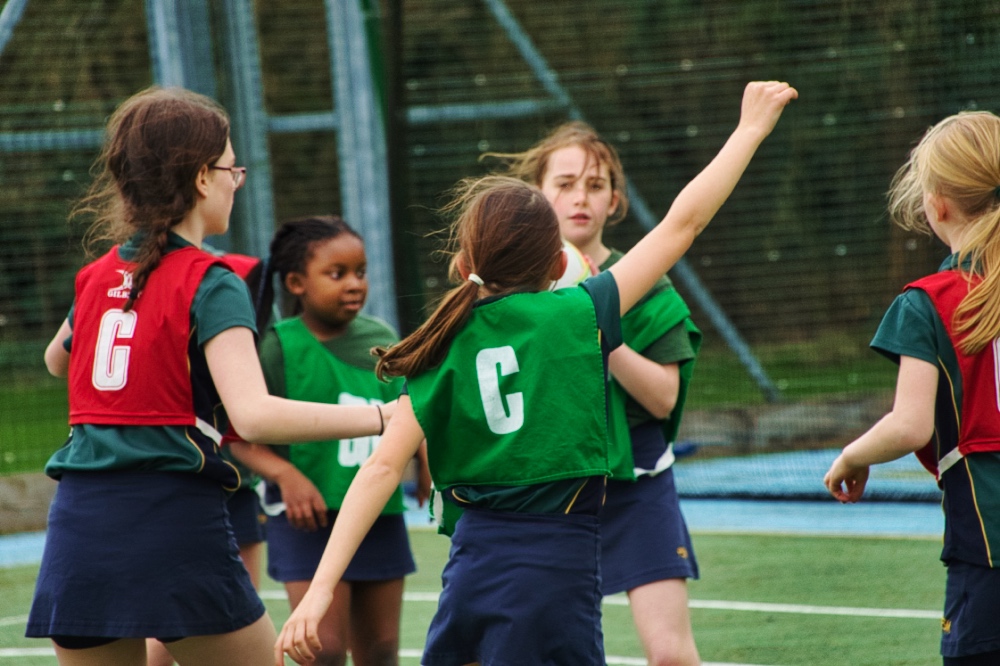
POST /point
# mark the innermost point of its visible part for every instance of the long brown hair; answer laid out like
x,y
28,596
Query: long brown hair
x,y
506,233
530,166
155,144
959,159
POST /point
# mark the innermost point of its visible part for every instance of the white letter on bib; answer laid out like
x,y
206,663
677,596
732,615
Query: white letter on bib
x,y
499,420
111,360
353,452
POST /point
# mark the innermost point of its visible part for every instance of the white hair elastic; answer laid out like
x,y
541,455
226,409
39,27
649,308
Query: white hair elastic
x,y
475,278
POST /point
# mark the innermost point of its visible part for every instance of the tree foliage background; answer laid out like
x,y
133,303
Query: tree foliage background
x,y
801,255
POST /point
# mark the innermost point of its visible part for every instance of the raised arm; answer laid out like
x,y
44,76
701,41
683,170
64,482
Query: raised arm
x,y
261,417
697,203
372,487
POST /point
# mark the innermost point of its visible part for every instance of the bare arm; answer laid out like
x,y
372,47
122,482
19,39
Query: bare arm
x,y
652,385
697,203
56,356
372,487
261,417
424,482
907,428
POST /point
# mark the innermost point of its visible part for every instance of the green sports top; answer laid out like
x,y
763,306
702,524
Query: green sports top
x,y
553,457
660,328
337,371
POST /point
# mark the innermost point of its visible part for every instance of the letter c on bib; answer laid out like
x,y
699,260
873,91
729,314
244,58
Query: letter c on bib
x,y
491,364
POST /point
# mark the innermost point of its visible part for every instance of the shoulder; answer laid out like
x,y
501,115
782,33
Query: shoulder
x,y
910,327
373,329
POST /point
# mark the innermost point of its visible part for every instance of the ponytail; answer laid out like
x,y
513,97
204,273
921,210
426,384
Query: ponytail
x,y
959,159
151,251
261,282
507,233
978,315
427,346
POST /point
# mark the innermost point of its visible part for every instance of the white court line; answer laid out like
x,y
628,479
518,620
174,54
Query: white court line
x,y
622,600
817,610
10,653
616,600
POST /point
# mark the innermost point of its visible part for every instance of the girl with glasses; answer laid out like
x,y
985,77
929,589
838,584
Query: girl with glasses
x,y
159,351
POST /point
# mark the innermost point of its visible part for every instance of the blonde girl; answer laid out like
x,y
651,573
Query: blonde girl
x,y
942,331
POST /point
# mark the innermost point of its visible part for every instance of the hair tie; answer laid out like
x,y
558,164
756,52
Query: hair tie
x,y
475,278
996,192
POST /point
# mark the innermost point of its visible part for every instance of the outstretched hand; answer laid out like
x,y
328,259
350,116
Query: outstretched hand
x,y
299,638
844,482
763,102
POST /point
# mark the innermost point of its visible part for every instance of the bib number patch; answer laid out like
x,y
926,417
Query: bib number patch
x,y
111,358
492,364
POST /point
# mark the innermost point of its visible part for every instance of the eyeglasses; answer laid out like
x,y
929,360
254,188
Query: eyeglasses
x,y
239,174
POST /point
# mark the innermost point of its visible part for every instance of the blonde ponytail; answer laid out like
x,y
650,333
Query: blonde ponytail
x,y
959,160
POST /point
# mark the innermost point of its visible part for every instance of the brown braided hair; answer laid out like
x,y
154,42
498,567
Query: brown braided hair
x,y
155,144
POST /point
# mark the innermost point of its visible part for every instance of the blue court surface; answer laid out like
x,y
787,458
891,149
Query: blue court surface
x,y
903,519
743,494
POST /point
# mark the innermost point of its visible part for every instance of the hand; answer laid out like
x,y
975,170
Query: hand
x,y
594,268
763,102
299,638
846,483
304,504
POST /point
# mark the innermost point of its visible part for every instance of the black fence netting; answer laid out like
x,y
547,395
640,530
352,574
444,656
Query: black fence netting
x,y
801,262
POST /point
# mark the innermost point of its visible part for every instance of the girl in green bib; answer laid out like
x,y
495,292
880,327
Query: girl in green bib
x,y
506,380
646,549
324,355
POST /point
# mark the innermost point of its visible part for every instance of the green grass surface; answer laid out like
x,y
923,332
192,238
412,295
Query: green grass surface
x,y
33,423
821,571
830,365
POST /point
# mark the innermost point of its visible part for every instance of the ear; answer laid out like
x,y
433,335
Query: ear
x,y
201,181
559,267
615,200
937,206
294,284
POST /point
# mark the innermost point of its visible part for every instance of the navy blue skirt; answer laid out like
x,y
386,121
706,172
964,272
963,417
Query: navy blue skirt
x,y
971,609
246,517
133,555
643,535
294,554
519,589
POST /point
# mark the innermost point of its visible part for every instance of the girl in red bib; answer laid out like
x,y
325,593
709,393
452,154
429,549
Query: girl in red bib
x,y
504,380
159,351
943,331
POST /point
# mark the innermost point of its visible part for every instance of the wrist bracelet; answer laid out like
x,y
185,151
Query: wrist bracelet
x,y
381,423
